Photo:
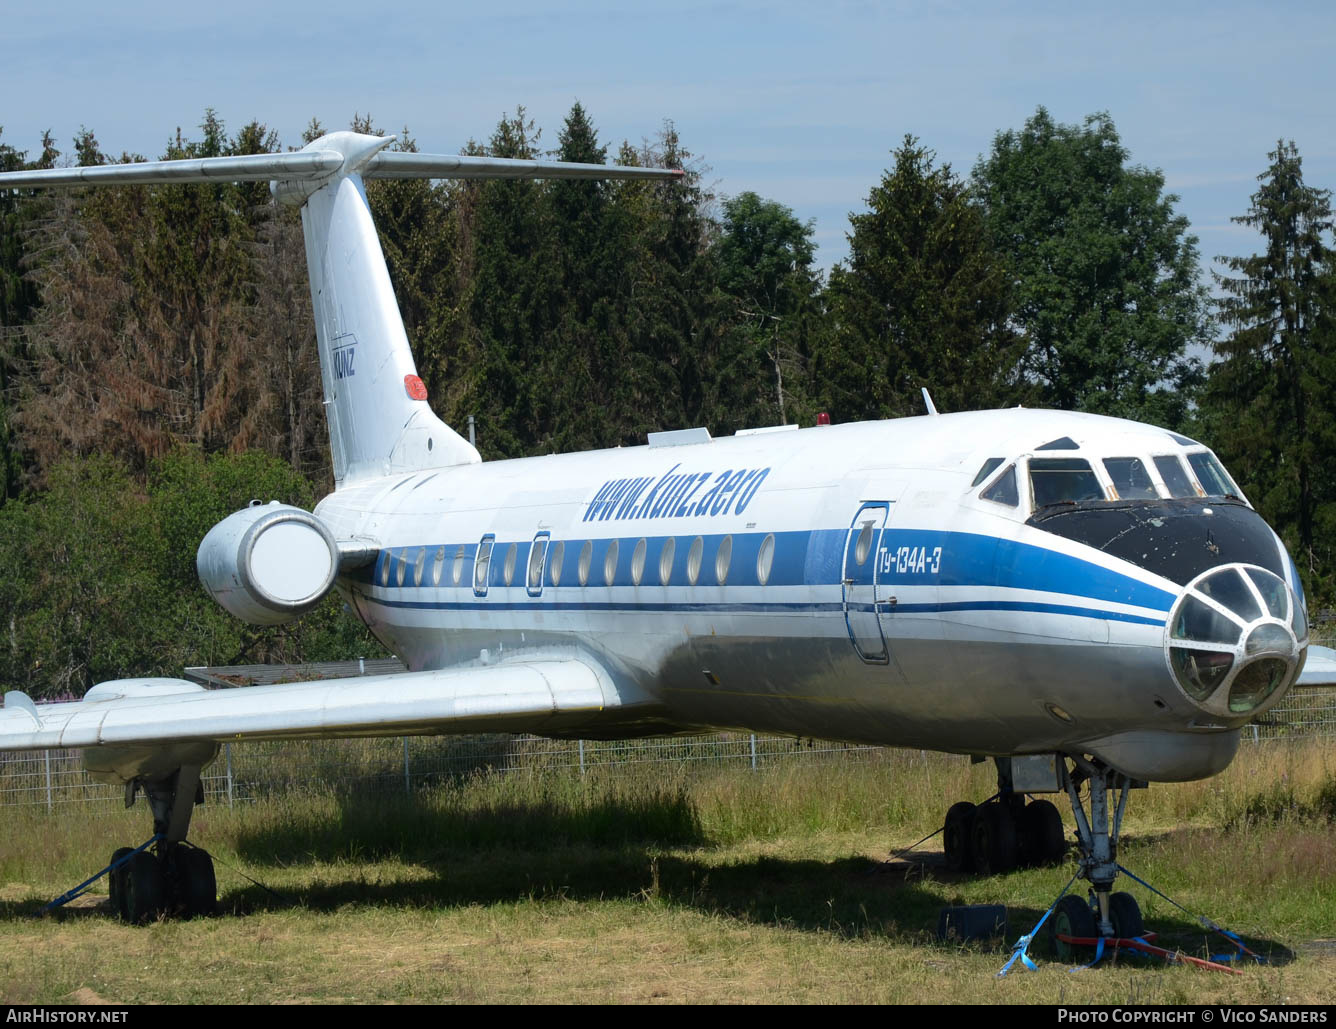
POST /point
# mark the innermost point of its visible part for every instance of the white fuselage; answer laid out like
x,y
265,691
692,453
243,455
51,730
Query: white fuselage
x,y
843,582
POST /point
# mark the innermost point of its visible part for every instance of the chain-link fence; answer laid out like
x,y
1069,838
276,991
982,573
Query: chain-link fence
x,y
244,771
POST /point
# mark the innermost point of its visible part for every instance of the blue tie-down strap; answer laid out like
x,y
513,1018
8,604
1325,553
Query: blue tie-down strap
x,y
1020,950
83,887
1204,921
1099,953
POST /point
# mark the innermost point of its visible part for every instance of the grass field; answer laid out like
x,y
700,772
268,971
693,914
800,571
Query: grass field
x,y
645,884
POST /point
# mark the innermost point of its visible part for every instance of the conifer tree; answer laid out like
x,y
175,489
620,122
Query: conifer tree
x,y
923,301
1269,409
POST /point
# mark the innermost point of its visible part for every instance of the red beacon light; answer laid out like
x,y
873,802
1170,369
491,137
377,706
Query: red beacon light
x,y
823,418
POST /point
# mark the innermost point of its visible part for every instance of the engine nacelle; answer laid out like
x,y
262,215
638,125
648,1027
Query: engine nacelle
x,y
269,563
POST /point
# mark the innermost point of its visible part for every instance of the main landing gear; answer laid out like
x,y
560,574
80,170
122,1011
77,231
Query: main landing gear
x,y
172,877
1004,833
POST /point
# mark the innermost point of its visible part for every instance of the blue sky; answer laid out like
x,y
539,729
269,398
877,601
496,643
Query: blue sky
x,y
801,102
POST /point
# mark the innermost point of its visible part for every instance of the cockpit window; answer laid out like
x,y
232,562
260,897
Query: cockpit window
x,y
986,470
1063,480
1066,443
1130,478
1212,476
1184,440
1003,490
1174,476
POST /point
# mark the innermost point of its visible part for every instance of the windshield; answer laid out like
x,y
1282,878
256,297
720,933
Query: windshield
x,y
1063,480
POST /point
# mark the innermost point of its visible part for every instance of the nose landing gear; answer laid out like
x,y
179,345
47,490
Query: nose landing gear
x,y
1108,915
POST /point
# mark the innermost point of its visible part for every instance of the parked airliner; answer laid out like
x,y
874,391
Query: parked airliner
x,y
1088,601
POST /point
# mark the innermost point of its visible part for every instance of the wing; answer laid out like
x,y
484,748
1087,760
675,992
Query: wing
x,y
542,696
1319,668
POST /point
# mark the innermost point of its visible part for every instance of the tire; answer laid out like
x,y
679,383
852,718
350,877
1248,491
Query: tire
x,y
197,883
956,837
145,888
1125,914
116,884
1043,839
994,839
1072,917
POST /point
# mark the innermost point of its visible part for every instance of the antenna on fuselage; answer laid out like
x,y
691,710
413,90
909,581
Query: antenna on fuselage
x,y
927,401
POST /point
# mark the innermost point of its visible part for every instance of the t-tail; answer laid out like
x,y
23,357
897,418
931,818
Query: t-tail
x,y
375,402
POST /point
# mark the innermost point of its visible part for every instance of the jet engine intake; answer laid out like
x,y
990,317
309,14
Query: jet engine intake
x,y
268,564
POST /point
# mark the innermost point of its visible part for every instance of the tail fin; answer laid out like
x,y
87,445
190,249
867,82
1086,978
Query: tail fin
x,y
379,420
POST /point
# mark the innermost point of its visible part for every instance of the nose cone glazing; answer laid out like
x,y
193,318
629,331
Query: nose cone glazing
x,y
1236,639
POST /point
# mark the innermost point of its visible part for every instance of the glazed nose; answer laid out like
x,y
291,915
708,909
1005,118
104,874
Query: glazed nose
x,y
1236,639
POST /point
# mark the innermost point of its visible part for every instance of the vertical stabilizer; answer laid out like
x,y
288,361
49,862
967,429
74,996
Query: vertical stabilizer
x,y
376,406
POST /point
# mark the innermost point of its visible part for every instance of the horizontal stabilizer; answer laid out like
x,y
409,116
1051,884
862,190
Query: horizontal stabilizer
x,y
303,164
317,162
524,696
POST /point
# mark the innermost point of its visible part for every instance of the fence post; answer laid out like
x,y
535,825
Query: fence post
x,y
580,742
227,750
48,780
408,789
753,751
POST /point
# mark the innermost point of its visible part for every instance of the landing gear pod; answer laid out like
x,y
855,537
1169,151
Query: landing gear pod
x,y
268,564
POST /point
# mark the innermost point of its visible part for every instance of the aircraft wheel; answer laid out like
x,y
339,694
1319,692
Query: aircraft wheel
x,y
1073,917
956,837
1043,840
196,882
116,884
1125,914
144,888
994,839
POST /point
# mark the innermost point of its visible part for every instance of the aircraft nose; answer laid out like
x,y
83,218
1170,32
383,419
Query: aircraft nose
x,y
1236,639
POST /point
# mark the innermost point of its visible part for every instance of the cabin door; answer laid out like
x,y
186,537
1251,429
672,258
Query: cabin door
x,y
864,596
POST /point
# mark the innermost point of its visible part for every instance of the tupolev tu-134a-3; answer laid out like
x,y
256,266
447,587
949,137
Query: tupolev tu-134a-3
x,y
1087,600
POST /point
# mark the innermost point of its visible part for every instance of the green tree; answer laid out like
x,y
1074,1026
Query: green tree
x,y
1269,409
1106,274
924,301
765,257
18,296
508,298
101,579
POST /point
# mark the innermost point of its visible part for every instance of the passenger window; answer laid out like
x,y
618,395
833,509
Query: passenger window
x,y
723,559
694,556
419,565
765,559
1003,491
1063,480
638,561
1212,476
458,572
437,565
610,564
509,568
666,560
1130,478
586,559
986,470
1175,478
558,556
